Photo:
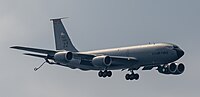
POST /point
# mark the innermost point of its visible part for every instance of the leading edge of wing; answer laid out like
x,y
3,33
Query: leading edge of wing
x,y
36,50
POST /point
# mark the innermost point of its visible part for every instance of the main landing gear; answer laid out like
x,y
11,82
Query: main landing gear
x,y
132,76
105,73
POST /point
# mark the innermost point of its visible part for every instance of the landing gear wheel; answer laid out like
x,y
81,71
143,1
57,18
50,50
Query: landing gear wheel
x,y
109,73
104,74
132,76
100,74
127,76
136,76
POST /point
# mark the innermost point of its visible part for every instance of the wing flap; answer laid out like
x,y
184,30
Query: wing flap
x,y
35,55
148,67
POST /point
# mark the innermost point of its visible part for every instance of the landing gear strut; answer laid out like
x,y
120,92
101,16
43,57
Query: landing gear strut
x,y
132,76
105,73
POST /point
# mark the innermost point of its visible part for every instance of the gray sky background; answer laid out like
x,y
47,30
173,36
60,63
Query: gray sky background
x,y
97,24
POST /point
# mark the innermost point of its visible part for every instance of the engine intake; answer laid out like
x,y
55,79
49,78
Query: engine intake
x,y
102,61
180,69
172,68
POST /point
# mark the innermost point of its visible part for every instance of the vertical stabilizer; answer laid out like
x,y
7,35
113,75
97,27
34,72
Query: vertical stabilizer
x,y
62,40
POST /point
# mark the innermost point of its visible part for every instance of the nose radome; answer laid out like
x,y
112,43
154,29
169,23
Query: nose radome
x,y
180,52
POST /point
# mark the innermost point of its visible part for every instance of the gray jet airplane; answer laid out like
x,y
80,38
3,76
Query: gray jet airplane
x,y
159,55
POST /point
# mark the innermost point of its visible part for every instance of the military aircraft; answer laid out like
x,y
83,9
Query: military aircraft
x,y
162,56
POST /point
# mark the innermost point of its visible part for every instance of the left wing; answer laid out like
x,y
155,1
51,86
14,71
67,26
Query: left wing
x,y
77,55
36,50
36,55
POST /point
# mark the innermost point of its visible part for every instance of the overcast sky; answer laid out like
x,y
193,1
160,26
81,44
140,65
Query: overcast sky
x,y
97,24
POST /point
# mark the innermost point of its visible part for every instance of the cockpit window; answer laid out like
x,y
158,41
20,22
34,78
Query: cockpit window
x,y
175,46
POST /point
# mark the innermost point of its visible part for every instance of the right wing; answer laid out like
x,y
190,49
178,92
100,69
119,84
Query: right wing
x,y
84,56
86,59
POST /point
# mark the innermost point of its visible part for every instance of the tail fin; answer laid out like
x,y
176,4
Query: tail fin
x,y
62,39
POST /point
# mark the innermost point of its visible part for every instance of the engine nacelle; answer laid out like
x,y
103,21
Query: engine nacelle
x,y
102,61
172,68
63,57
180,69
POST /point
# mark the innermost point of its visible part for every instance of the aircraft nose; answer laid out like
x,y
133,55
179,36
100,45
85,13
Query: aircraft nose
x,y
180,52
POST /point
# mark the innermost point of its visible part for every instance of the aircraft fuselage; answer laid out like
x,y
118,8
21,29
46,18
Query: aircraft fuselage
x,y
149,54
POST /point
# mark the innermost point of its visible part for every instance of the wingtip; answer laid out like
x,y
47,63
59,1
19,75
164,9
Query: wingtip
x,y
54,19
26,53
14,47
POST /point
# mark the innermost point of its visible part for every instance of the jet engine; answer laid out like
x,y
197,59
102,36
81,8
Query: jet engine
x,y
63,57
180,69
102,61
172,68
